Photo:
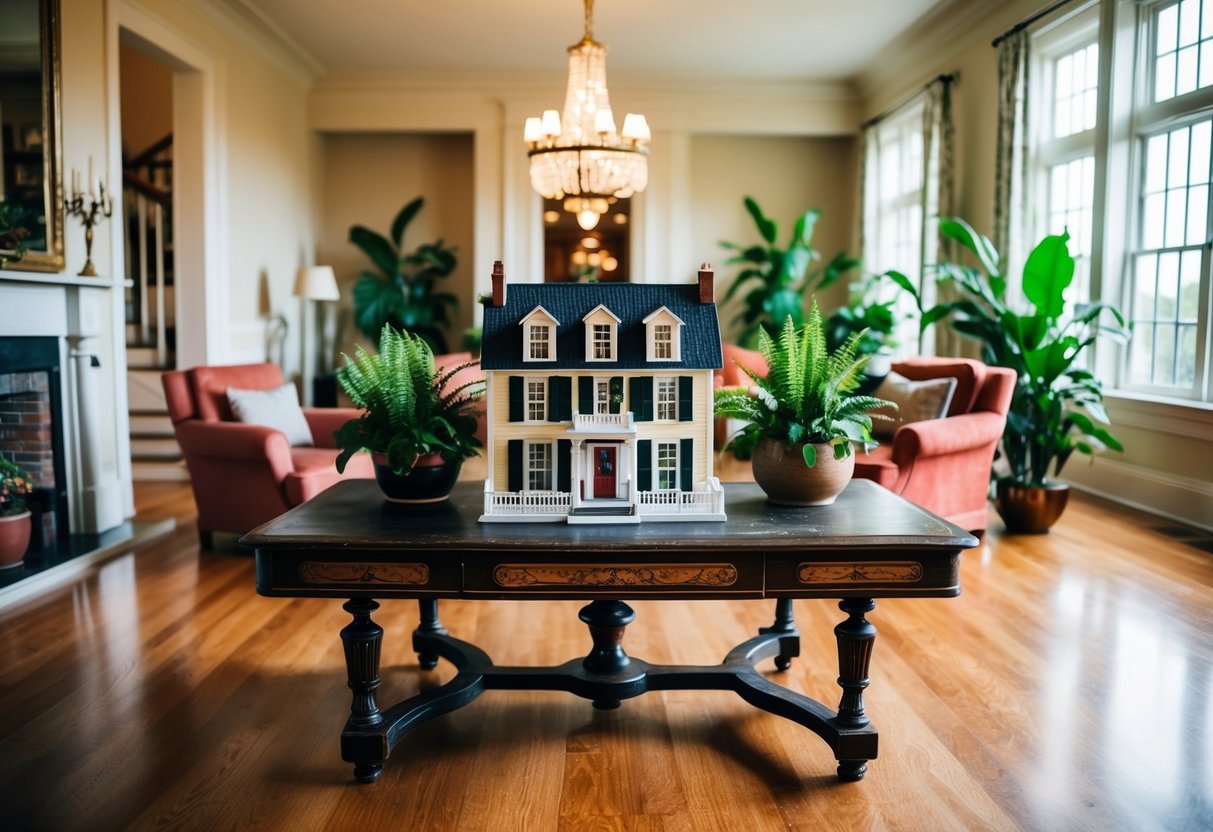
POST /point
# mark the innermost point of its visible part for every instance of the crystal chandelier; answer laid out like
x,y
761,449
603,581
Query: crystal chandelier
x,y
579,157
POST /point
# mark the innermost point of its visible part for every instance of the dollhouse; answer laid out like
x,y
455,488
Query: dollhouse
x,y
599,401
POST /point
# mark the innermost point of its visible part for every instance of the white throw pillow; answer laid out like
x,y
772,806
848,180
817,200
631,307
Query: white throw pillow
x,y
915,400
278,409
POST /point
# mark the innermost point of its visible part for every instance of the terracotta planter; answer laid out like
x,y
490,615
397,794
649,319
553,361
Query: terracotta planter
x,y
14,539
780,470
430,480
1027,509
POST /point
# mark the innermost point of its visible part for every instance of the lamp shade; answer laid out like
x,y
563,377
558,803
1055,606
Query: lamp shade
x,y
317,283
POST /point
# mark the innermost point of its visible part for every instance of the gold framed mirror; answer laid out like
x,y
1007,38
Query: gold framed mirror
x,y
31,163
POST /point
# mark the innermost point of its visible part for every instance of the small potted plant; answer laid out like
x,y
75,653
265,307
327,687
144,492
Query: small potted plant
x,y
1058,403
875,319
417,431
15,527
801,419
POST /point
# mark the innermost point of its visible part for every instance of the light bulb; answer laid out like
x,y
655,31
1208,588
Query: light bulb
x,y
587,219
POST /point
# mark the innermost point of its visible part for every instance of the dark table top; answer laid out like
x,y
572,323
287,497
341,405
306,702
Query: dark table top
x,y
353,516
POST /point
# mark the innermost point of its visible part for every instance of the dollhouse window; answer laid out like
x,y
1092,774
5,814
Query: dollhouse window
x,y
663,336
667,400
539,466
667,465
536,400
601,331
602,342
539,336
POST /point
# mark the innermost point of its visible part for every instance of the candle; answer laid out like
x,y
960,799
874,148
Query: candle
x,y
92,179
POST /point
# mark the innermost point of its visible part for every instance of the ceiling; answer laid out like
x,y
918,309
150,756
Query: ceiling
x,y
759,40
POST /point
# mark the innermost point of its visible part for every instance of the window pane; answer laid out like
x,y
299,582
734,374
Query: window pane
x,y
1164,77
1206,58
1164,354
1156,164
1198,210
1177,159
1146,287
1176,211
1152,221
1185,76
1185,371
1189,24
1198,167
1168,20
1206,26
1189,287
1168,285
1141,348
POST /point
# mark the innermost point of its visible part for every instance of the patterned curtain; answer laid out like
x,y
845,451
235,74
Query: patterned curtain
x,y
938,142
1011,180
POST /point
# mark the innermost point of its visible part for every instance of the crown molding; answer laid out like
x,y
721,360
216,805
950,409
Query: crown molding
x,y
265,37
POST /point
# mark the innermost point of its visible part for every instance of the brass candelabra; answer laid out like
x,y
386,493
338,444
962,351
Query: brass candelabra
x,y
91,208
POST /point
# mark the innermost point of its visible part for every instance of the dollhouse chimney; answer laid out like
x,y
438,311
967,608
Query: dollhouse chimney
x,y
707,291
498,298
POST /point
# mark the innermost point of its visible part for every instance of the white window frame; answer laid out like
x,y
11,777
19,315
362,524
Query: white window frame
x,y
673,469
538,318
670,403
602,404
528,399
663,317
592,320
1138,118
530,471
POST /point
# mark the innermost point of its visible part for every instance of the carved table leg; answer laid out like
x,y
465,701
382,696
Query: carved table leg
x,y
429,624
362,639
856,636
785,625
607,621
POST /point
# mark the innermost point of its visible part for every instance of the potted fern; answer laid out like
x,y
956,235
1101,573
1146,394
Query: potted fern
x,y
802,418
418,432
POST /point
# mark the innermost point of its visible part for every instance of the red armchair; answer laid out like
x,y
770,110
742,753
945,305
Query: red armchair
x,y
244,475
944,464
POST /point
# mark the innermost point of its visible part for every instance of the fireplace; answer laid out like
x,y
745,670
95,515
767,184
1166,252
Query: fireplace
x,y
32,428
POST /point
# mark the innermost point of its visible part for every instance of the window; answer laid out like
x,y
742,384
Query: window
x,y
536,400
667,399
602,342
540,342
667,465
663,342
602,395
1167,264
539,466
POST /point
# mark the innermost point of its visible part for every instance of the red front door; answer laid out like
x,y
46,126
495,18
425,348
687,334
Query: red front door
x,y
604,472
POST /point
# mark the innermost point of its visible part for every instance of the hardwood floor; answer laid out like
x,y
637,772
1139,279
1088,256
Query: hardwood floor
x,y
1067,688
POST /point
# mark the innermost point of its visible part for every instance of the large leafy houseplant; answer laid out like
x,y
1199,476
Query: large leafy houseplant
x,y
1057,407
776,279
408,412
402,292
866,313
807,395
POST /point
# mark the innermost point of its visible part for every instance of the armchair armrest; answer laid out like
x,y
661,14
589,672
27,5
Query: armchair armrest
x,y
939,437
324,421
236,441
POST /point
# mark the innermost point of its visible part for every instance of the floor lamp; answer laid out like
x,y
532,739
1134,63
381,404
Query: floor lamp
x,y
316,284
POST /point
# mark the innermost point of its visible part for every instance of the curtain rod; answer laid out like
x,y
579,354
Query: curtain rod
x,y
946,78
1029,20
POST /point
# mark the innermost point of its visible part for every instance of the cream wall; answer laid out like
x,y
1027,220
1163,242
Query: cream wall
x,y
1168,446
786,175
368,178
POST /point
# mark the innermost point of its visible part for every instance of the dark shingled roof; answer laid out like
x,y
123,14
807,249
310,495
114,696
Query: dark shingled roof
x,y
630,302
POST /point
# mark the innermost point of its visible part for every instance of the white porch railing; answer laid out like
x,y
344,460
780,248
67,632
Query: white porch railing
x,y
535,502
708,501
603,421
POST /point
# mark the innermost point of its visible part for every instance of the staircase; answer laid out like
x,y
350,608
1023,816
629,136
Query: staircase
x,y
147,195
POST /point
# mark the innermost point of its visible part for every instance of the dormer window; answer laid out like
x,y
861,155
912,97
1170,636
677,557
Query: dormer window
x,y
663,336
539,335
601,335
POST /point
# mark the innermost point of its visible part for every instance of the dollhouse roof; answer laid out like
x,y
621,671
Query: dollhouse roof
x,y
631,303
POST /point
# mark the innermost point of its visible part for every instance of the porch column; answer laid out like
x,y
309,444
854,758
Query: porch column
x,y
575,481
633,485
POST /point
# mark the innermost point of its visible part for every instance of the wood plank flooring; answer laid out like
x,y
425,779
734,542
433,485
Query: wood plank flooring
x,y
1068,688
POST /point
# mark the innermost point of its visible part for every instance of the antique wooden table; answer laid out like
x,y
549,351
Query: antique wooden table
x,y
349,543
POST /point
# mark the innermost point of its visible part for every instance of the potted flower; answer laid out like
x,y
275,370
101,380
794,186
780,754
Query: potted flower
x,y
418,431
776,279
802,418
15,525
1058,403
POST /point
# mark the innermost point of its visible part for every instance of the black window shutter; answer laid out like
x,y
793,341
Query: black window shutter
x,y
685,459
644,465
564,465
616,393
559,394
686,386
585,395
641,394
515,464
515,399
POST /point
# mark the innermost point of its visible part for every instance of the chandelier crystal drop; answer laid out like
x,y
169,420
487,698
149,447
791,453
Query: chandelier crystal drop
x,y
579,156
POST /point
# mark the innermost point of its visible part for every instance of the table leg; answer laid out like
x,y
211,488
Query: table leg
x,y
607,620
430,625
785,626
856,637
362,639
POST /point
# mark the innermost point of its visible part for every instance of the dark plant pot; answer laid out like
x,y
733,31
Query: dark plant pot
x,y
780,471
430,480
14,539
1029,509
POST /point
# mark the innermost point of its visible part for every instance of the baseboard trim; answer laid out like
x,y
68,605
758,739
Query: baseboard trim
x,y
1174,497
